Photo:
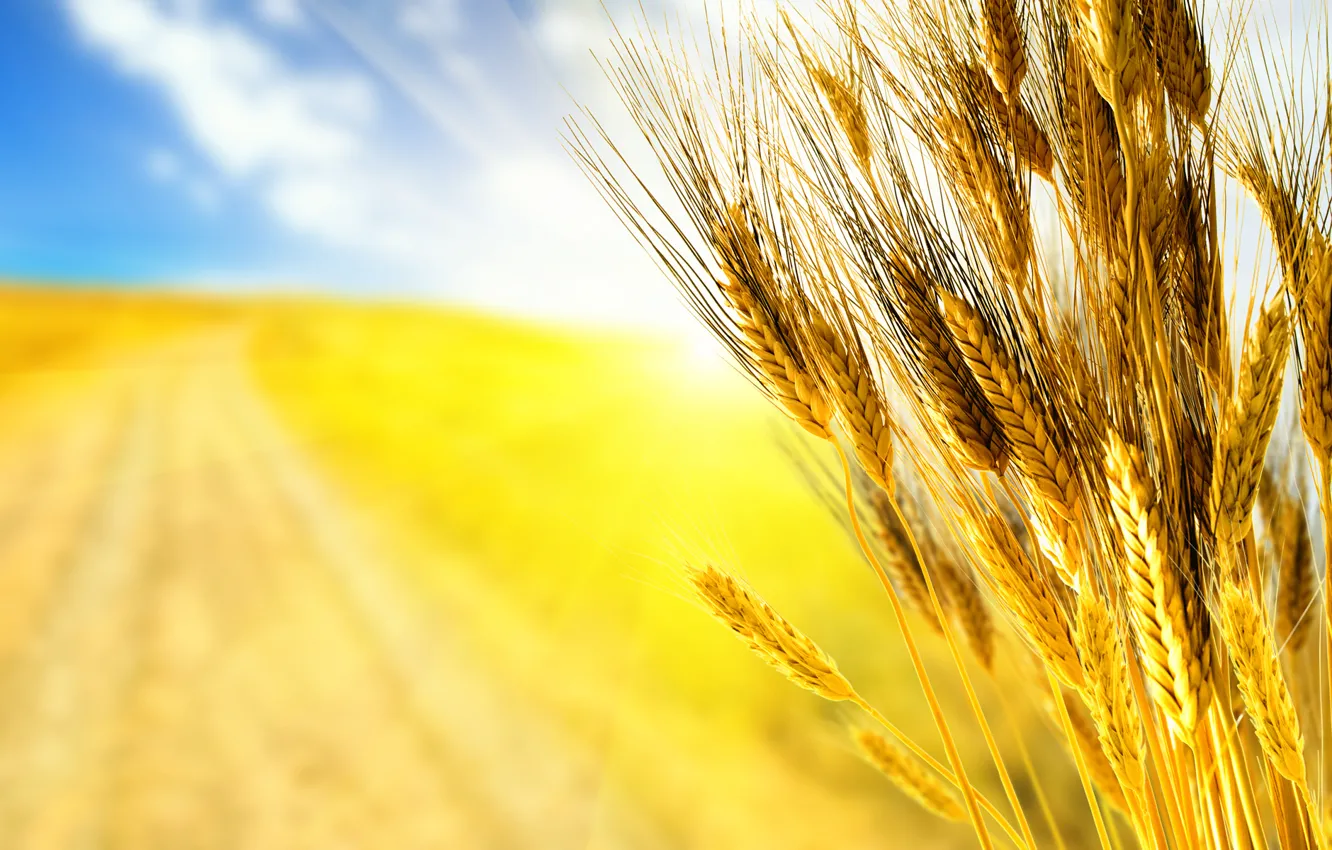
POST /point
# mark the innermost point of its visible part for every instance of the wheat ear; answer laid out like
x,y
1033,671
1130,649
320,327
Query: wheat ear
x,y
900,561
1113,45
844,100
1242,442
750,289
1092,161
1175,657
1027,593
1108,693
770,636
1262,687
1293,552
850,384
1100,767
1005,46
909,775
1013,399
1177,43
1027,138
969,611
957,405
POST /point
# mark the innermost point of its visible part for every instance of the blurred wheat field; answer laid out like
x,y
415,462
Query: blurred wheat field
x,y
302,574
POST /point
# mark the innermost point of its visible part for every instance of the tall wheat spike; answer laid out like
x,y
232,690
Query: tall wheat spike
x,y
1174,658
1242,443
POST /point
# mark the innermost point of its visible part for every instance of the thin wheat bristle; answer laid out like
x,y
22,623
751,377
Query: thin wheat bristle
x,y
1012,398
1108,693
1242,442
1175,657
1257,666
770,636
750,289
908,774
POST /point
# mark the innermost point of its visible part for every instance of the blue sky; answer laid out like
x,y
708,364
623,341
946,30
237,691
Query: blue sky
x,y
395,147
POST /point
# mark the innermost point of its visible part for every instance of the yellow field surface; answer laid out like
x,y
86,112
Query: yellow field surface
x,y
390,577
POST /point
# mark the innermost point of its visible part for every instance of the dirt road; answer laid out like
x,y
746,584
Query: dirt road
x,y
196,651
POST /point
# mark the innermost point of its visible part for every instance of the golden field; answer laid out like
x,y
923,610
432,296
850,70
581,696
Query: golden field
x,y
532,493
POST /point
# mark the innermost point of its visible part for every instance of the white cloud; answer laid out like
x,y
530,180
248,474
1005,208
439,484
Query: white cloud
x,y
239,101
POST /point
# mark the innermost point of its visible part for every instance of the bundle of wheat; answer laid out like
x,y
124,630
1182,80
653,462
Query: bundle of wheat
x,y
853,211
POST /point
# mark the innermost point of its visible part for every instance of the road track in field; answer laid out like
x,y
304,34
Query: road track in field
x,y
197,652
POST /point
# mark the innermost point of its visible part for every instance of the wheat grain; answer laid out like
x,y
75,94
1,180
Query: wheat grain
x,y
908,774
